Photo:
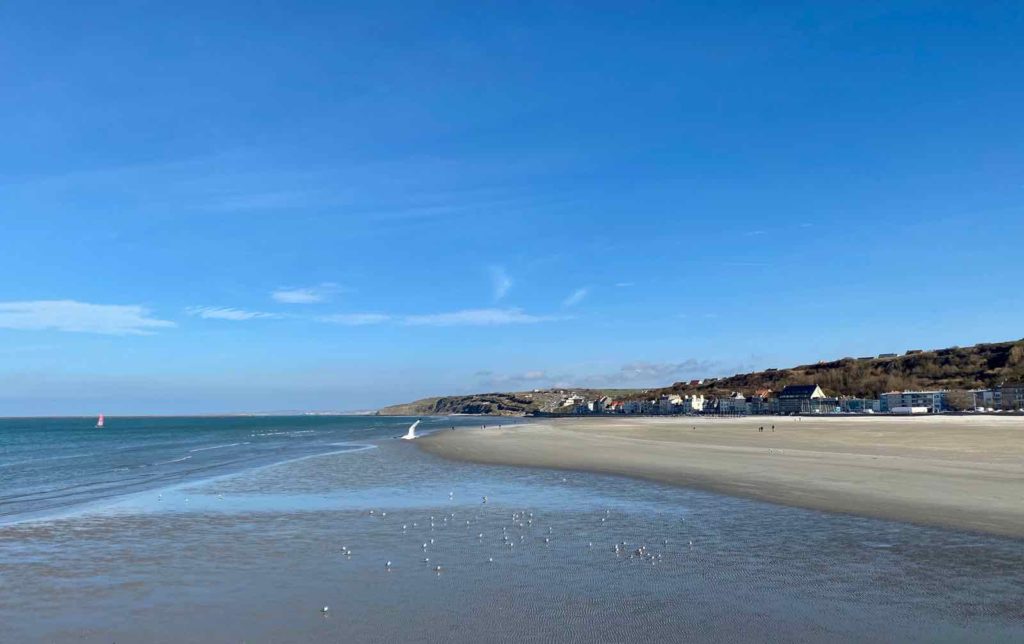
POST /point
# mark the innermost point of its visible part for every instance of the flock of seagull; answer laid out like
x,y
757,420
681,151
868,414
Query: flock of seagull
x,y
516,532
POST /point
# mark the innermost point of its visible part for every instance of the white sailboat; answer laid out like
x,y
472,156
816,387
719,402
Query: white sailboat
x,y
411,434
99,422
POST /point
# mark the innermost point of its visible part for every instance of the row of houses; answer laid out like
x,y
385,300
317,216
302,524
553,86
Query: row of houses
x,y
801,399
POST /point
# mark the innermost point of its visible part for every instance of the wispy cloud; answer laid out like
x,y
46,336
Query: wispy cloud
x,y
464,317
81,317
500,281
306,295
536,378
476,317
633,374
624,284
228,313
355,319
575,298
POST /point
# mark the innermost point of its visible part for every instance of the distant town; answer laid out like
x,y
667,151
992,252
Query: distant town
x,y
802,399
983,378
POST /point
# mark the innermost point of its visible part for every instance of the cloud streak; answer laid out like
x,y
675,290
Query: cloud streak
x,y
79,317
476,317
228,313
305,295
500,281
575,298
630,375
355,319
464,317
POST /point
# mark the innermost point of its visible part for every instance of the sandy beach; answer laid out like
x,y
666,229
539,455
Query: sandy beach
x,y
957,472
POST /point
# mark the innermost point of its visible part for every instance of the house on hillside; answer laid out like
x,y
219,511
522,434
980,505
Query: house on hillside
x,y
796,399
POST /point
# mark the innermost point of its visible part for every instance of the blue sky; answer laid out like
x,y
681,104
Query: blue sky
x,y
261,206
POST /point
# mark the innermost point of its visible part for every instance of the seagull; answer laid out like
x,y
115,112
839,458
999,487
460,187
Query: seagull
x,y
388,565
325,609
490,560
437,568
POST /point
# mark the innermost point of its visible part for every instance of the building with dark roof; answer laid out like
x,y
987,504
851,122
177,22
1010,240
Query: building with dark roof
x,y
796,399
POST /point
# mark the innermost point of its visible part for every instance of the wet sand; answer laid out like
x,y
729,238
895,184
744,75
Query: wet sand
x,y
957,472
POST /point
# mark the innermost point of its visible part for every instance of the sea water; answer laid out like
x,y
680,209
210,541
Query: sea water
x,y
244,529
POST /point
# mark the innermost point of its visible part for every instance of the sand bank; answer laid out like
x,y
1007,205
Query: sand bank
x,y
959,472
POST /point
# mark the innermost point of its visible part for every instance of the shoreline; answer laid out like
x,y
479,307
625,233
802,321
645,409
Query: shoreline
x,y
958,472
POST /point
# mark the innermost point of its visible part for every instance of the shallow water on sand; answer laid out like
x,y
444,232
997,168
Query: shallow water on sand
x,y
254,556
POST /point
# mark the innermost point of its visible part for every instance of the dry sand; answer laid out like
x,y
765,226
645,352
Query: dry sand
x,y
960,472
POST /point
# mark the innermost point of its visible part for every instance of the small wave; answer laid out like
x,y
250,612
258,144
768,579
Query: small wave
x,y
177,460
203,449
46,458
295,433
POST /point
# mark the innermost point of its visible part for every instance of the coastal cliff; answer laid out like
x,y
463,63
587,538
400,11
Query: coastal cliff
x,y
495,404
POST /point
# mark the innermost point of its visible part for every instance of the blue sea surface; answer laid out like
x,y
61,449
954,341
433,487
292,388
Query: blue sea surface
x,y
244,529
50,465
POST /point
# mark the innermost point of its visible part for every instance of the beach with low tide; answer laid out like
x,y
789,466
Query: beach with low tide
x,y
952,471
247,529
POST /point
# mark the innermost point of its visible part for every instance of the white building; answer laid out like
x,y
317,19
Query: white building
x,y
734,404
694,403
